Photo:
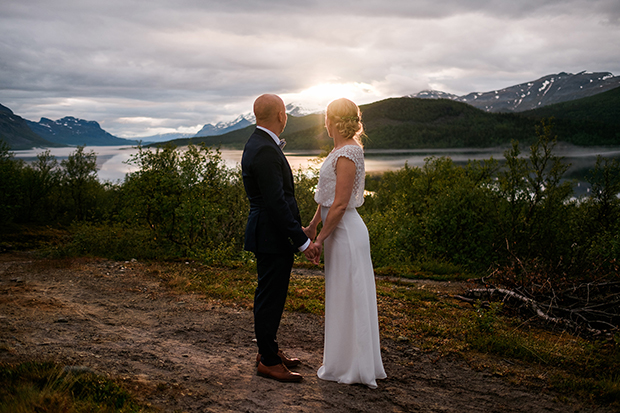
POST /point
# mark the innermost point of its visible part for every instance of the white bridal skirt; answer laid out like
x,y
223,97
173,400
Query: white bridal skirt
x,y
352,353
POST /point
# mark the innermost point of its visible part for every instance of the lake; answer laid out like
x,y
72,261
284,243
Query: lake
x,y
112,166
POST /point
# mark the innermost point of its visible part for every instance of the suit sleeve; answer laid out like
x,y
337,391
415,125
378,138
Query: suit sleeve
x,y
271,183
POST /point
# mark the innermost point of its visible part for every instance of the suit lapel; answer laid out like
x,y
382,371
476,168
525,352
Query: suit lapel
x,y
265,136
270,141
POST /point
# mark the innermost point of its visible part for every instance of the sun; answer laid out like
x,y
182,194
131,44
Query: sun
x,y
317,97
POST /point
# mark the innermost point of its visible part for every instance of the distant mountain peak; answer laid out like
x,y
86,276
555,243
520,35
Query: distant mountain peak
x,y
223,127
294,109
15,132
433,94
4,109
74,131
541,92
242,121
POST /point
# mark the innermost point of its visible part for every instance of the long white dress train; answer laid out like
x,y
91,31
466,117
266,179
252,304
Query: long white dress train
x,y
352,352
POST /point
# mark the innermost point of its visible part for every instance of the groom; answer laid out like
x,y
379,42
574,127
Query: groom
x,y
273,232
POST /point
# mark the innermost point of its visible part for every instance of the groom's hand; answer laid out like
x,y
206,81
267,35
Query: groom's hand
x,y
313,252
310,252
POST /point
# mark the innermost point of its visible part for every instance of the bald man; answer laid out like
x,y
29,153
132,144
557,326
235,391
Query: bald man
x,y
273,232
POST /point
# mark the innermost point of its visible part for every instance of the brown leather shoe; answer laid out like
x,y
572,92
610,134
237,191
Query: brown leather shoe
x,y
288,362
278,372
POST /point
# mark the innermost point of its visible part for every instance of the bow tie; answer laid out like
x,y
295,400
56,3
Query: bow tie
x,y
282,143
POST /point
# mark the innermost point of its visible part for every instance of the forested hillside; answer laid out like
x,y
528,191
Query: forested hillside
x,y
412,123
602,108
304,132
407,123
593,120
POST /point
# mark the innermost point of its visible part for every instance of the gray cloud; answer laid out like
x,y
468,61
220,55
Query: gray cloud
x,y
143,67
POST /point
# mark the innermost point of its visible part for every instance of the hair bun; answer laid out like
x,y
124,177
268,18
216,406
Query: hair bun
x,y
347,117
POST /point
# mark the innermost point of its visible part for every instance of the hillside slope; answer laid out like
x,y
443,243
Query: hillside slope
x,y
409,123
592,120
73,131
15,132
547,90
413,123
305,132
603,108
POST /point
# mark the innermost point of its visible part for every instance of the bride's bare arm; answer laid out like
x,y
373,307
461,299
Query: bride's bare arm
x,y
345,176
310,230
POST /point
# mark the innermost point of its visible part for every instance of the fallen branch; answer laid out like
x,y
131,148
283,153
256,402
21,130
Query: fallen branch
x,y
532,305
466,299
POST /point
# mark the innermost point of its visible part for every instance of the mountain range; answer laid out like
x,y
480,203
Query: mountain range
x,y
545,91
243,121
15,132
221,128
306,130
72,131
413,123
20,133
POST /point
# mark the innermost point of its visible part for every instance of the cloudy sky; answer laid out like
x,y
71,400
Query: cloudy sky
x,y
156,66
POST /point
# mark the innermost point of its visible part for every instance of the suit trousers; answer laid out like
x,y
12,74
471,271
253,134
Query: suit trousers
x,y
274,273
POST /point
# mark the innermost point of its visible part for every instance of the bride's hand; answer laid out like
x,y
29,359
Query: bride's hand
x,y
317,257
310,232
314,253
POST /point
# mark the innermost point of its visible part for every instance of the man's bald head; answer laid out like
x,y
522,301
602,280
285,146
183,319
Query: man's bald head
x,y
270,113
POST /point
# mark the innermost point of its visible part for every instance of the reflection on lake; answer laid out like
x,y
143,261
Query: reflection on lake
x,y
112,166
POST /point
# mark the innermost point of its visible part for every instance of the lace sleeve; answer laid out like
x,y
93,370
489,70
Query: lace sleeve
x,y
352,152
326,188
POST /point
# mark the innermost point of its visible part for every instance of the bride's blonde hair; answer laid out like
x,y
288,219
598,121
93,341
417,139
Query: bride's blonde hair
x,y
347,118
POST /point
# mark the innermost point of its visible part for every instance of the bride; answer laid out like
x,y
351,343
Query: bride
x,y
352,353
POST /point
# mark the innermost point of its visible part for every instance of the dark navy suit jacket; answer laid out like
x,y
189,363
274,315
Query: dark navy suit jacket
x,y
274,223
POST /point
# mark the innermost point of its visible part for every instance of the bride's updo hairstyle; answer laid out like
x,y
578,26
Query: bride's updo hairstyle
x,y
347,118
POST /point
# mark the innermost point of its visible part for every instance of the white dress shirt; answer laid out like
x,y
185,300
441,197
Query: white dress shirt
x,y
270,133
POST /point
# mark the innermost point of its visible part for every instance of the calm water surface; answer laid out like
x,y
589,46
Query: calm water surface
x,y
112,160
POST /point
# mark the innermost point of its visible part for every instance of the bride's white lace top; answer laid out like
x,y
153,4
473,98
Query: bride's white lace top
x,y
326,189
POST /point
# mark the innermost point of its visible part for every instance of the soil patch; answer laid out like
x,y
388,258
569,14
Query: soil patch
x,y
186,353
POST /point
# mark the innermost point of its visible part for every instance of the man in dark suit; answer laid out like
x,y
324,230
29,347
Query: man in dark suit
x,y
273,232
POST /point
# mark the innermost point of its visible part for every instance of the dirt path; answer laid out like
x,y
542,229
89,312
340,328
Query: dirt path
x,y
184,353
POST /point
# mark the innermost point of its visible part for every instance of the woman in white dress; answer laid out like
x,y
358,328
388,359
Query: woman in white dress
x,y
352,353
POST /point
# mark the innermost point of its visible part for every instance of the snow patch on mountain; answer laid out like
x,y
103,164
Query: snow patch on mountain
x,y
245,120
433,94
221,128
547,90
73,131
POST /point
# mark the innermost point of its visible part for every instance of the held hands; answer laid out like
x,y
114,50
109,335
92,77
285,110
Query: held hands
x,y
313,252
317,257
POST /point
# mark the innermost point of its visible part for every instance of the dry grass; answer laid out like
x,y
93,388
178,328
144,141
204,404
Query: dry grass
x,y
411,314
519,350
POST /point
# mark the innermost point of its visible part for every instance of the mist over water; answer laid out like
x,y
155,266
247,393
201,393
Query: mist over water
x,y
112,160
